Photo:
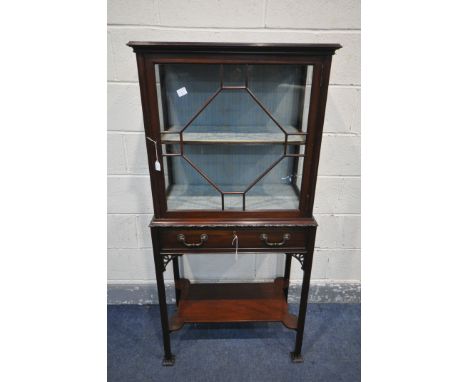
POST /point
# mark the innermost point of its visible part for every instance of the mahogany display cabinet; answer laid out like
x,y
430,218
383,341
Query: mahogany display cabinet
x,y
233,135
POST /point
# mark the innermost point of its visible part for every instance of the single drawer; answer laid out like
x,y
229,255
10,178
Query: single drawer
x,y
258,239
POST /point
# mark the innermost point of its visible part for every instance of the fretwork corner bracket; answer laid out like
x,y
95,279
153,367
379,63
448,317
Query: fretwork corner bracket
x,y
167,259
299,257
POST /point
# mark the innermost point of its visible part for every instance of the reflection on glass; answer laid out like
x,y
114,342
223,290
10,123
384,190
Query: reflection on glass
x,y
234,75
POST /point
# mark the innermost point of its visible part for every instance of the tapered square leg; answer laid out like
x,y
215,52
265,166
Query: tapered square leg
x,y
169,358
296,356
287,272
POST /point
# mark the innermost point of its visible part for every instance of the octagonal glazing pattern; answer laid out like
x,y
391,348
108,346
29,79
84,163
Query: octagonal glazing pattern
x,y
242,134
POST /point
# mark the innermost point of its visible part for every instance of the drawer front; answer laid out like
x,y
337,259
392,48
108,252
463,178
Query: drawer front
x,y
203,240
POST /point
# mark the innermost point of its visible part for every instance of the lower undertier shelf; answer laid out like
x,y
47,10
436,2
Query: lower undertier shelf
x,y
232,302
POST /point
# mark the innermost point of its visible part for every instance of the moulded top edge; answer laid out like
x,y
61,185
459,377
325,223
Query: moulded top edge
x,y
215,47
228,223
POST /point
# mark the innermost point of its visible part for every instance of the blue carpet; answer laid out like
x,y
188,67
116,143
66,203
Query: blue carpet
x,y
234,352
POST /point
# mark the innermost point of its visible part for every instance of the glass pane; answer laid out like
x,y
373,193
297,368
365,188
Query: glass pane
x,y
234,116
233,201
280,88
185,88
279,189
227,126
233,167
186,189
234,75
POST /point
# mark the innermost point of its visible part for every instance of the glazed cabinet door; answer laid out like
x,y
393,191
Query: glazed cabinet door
x,y
233,136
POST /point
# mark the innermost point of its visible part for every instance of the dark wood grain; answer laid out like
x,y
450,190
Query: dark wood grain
x,y
236,220
232,302
221,239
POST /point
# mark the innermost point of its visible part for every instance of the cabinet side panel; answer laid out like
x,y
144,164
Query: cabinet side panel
x,y
321,75
147,82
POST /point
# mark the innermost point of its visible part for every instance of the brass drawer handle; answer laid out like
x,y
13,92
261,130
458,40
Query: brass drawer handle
x,y
264,238
203,238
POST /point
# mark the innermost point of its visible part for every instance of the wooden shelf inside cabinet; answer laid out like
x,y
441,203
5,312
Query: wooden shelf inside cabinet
x,y
232,302
244,135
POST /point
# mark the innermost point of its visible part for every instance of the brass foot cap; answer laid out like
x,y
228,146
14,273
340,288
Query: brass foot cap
x,y
169,361
296,358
